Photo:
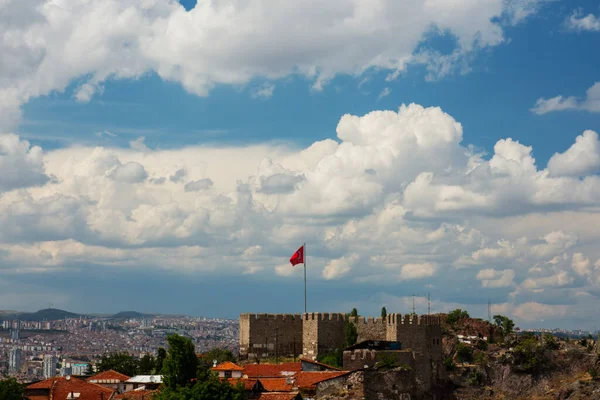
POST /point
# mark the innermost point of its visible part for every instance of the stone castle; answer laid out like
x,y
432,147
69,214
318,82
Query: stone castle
x,y
311,334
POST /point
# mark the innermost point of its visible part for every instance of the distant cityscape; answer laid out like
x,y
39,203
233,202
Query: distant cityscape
x,y
31,350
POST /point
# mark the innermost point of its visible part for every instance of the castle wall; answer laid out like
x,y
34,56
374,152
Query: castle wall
x,y
365,358
270,335
370,328
322,333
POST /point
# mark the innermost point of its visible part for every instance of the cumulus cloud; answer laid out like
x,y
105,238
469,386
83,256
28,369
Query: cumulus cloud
x,y
591,102
21,165
199,185
339,267
265,91
50,42
397,198
491,278
417,271
132,172
579,22
582,158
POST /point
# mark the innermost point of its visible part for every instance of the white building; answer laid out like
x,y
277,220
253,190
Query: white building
x,y
14,363
49,364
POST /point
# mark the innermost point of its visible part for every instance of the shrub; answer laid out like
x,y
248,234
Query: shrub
x,y
449,364
593,373
464,353
456,315
550,342
482,345
475,378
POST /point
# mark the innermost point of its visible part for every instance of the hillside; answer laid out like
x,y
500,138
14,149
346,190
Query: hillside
x,y
520,366
41,315
128,314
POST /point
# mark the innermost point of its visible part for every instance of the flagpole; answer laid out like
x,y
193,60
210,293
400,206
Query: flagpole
x,y
304,277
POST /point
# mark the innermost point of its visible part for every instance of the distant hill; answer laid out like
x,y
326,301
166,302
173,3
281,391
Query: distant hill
x,y
49,314
129,314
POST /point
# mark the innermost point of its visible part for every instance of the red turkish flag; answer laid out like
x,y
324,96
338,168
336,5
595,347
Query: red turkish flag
x,y
298,257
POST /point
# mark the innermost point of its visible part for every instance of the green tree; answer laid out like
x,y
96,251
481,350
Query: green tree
x,y
335,359
354,312
120,362
10,389
383,312
89,371
454,316
505,324
212,388
464,353
351,334
147,365
216,354
181,364
160,359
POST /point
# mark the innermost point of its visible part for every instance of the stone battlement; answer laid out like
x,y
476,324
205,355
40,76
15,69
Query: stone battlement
x,y
413,319
324,317
368,320
362,354
271,317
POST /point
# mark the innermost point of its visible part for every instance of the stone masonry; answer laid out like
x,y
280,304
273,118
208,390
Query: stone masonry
x,y
268,335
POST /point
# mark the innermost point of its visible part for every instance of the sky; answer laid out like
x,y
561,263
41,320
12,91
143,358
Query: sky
x,y
170,157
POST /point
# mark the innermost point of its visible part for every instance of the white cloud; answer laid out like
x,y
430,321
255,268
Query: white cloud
x,y
398,188
49,44
21,165
491,278
582,158
581,265
417,271
384,93
139,145
578,22
265,91
533,311
339,267
591,102
132,172
199,185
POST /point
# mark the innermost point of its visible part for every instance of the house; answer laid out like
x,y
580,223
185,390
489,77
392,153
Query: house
x,y
67,388
228,369
147,382
136,395
258,371
110,379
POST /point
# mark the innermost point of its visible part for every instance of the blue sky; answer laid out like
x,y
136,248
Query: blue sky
x,y
170,160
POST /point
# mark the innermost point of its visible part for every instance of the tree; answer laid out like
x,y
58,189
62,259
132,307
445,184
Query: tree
x,y
181,364
120,362
354,312
464,353
454,316
351,334
89,371
160,359
211,388
383,312
335,359
147,365
10,389
505,324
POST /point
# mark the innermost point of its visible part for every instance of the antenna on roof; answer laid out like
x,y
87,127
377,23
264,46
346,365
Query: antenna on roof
x,y
428,304
413,304
489,311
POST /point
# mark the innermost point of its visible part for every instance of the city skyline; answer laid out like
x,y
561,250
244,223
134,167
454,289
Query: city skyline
x,y
170,165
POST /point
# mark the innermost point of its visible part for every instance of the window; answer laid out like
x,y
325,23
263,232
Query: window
x,y
227,374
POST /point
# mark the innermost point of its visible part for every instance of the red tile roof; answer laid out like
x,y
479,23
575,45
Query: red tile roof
x,y
276,384
109,375
320,364
137,395
277,396
271,370
227,366
61,387
248,383
306,379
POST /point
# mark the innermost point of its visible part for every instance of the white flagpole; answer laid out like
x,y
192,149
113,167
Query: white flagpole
x,y
304,254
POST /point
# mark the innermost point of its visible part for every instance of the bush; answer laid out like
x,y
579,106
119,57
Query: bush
x,y
456,315
464,353
475,378
529,356
449,364
482,345
593,373
479,358
550,342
